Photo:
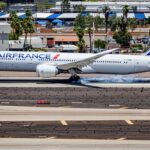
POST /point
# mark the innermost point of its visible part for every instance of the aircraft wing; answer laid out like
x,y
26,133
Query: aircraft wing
x,y
84,62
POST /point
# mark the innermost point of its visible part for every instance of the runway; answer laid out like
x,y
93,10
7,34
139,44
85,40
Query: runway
x,y
72,111
84,82
10,113
67,144
125,130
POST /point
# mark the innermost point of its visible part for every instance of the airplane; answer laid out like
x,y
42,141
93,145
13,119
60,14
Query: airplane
x,y
48,65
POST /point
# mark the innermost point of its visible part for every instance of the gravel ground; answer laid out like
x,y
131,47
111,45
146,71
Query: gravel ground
x,y
77,97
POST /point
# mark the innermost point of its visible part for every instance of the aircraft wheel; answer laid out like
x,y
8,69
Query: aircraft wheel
x,y
74,78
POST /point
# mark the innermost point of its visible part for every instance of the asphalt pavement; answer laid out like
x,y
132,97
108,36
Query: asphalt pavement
x,y
138,130
26,90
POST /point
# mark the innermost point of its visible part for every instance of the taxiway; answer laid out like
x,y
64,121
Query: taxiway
x,y
67,144
10,113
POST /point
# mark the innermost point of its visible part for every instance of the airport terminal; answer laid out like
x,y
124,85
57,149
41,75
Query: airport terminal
x,y
56,93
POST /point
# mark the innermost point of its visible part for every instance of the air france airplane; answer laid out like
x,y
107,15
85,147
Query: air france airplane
x,y
48,65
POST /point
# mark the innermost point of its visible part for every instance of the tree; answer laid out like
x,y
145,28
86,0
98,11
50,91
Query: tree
x,y
65,6
3,5
89,28
100,44
149,20
98,22
132,23
19,29
27,24
106,11
134,8
123,38
92,23
125,11
14,20
79,28
114,24
121,26
16,26
79,8
20,26
43,5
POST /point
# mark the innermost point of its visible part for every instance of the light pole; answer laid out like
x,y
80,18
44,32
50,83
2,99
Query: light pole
x,y
93,38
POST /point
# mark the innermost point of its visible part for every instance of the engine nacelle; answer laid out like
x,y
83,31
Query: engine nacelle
x,y
46,71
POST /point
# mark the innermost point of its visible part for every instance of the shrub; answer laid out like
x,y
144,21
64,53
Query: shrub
x,y
100,44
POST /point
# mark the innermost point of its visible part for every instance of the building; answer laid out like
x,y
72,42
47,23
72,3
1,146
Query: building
x,y
18,1
4,36
29,1
46,1
22,7
98,6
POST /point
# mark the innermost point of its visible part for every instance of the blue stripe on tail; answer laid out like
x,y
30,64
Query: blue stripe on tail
x,y
147,53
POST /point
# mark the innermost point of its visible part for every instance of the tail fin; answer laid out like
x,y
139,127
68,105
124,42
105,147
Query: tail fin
x,y
147,53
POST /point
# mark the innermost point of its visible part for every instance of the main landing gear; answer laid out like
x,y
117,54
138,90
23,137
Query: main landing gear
x,y
74,78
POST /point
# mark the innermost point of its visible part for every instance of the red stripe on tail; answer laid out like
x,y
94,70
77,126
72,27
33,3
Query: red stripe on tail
x,y
56,56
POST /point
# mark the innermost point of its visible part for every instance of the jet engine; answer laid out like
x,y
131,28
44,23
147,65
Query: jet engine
x,y
46,71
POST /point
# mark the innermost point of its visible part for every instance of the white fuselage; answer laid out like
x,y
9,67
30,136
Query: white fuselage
x,y
108,64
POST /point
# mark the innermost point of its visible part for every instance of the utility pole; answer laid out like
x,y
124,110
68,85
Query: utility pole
x,y
93,33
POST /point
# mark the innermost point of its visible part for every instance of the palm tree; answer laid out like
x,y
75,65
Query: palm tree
x,y
19,29
122,35
98,22
13,19
134,8
100,44
79,8
81,43
125,10
79,28
27,24
89,24
106,11
114,24
132,23
3,5
15,25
